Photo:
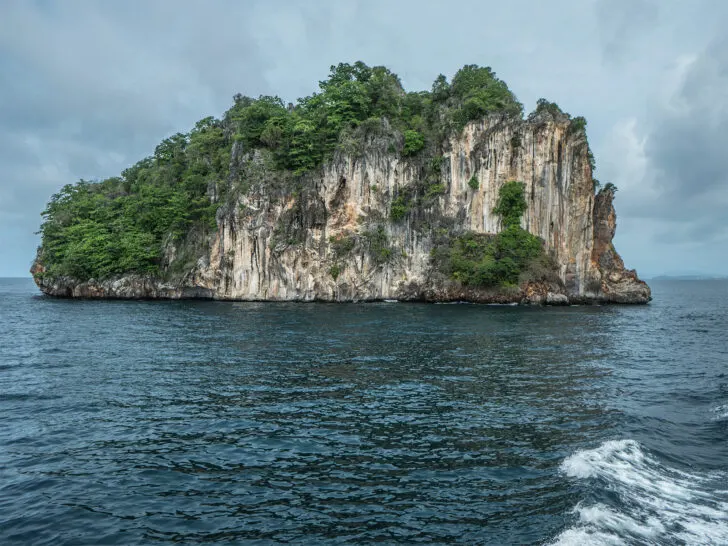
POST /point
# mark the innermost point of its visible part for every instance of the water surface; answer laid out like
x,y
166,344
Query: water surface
x,y
212,422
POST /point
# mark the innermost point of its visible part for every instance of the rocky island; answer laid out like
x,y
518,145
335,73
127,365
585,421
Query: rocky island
x,y
361,191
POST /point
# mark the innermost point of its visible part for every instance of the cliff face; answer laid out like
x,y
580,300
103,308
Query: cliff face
x,y
617,284
336,240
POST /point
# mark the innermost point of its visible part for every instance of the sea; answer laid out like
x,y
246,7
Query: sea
x,y
201,422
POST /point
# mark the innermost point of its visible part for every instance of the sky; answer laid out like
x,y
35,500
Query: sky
x,y
88,88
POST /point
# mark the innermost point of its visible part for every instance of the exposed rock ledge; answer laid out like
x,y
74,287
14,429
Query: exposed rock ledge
x,y
624,290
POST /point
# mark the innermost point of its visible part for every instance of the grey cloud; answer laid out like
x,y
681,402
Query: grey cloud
x,y
686,152
624,25
89,88
688,142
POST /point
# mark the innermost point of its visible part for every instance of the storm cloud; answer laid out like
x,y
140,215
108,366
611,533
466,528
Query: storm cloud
x,y
687,146
89,87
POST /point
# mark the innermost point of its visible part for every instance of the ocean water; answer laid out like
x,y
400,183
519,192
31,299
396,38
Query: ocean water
x,y
247,423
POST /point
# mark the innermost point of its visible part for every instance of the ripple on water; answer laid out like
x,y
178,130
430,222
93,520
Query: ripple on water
x,y
210,422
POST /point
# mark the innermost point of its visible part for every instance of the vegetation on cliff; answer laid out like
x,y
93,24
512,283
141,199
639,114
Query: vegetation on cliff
x,y
169,200
120,225
495,260
302,136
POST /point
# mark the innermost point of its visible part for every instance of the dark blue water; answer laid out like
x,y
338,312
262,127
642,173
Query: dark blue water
x,y
225,423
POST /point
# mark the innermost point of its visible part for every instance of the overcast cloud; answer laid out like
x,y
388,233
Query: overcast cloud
x,y
90,87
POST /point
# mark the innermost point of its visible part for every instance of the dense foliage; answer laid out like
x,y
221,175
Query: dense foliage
x,y
124,224
301,137
494,260
121,224
477,92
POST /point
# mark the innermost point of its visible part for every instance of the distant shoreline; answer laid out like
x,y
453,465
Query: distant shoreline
x,y
688,278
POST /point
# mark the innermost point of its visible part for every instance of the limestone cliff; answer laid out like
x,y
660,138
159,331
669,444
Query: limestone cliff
x,y
617,284
334,238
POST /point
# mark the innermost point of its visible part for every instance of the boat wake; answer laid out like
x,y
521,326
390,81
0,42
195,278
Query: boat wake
x,y
720,413
645,502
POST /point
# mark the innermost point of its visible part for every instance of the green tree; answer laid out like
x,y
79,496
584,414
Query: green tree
x,y
440,89
478,259
414,141
511,203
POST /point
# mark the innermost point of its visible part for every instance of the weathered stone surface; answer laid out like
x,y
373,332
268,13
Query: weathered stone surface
x,y
556,299
274,245
614,283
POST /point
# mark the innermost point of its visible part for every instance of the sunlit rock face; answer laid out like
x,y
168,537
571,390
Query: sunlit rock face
x,y
336,240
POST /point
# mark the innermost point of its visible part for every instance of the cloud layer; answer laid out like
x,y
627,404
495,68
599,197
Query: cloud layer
x,y
90,87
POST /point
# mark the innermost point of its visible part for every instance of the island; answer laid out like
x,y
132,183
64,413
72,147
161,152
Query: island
x,y
361,191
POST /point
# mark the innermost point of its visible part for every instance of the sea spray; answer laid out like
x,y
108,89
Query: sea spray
x,y
657,504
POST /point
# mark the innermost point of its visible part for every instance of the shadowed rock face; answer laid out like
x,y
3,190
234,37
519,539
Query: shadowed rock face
x,y
336,241
616,284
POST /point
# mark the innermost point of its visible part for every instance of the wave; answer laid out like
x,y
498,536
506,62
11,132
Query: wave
x,y
656,504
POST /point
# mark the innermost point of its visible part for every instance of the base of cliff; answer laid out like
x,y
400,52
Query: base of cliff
x,y
624,290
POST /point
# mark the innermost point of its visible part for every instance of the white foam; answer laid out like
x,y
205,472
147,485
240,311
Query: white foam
x,y
657,504
582,537
720,413
601,517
